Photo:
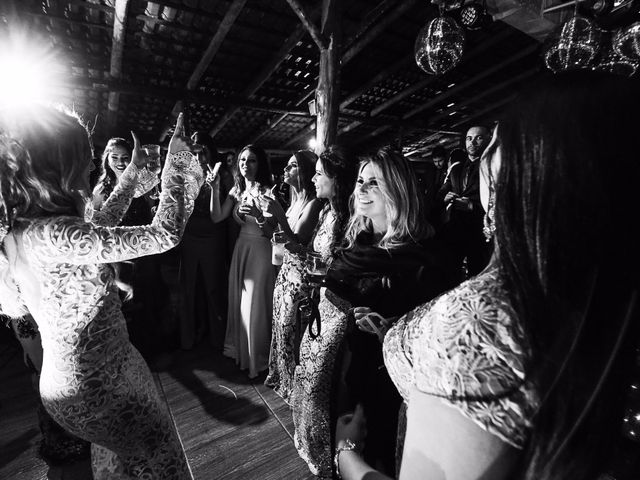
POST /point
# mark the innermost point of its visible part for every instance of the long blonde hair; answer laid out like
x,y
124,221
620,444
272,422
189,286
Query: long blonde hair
x,y
403,203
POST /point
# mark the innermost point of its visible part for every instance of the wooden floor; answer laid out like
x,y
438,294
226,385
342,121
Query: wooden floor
x,y
230,427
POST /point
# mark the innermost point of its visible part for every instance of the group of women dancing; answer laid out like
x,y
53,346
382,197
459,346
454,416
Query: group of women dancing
x,y
389,367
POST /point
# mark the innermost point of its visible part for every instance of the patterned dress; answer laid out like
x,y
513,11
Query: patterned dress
x,y
289,290
94,382
311,393
467,348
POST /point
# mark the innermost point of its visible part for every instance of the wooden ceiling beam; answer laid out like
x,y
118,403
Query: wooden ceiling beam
x,y
212,49
485,93
484,111
380,76
117,50
476,52
70,21
385,17
216,42
311,27
262,76
474,79
90,6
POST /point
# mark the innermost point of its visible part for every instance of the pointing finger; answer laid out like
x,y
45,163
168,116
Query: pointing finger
x,y
179,130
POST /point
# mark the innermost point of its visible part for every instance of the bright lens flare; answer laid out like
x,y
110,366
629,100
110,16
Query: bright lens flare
x,y
27,74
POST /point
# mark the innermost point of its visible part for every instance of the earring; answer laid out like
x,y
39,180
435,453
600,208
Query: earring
x,y
489,221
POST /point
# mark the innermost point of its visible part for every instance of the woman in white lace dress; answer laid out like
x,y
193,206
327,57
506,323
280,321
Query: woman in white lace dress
x,y
56,266
522,371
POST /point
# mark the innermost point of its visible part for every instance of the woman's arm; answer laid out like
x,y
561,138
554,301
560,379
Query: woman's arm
x,y
440,444
219,212
71,240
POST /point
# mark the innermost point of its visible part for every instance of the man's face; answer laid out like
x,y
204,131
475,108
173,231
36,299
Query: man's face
x,y
476,141
438,162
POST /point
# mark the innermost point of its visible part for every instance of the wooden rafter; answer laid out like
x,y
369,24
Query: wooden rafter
x,y
308,23
485,110
263,76
117,49
376,21
212,49
380,76
485,93
471,81
476,52
390,16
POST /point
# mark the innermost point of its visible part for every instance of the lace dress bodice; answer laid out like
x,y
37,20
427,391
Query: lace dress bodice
x,y
468,348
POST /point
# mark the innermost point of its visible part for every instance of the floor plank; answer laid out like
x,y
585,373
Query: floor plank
x,y
231,427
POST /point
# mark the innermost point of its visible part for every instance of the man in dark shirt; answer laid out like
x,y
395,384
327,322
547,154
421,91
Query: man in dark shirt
x,y
463,211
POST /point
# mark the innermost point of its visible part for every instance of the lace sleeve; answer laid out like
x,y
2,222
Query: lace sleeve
x,y
113,209
468,348
71,240
398,349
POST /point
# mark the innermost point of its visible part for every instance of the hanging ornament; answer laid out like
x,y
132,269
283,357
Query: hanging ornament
x,y
611,61
576,46
439,45
627,42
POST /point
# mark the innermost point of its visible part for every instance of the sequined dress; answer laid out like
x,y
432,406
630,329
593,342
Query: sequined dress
x,y
93,381
311,392
467,348
288,292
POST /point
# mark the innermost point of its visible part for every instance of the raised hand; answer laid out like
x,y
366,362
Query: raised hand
x,y
139,155
179,141
273,207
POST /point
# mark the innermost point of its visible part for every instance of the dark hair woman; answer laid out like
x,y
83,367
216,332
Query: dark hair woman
x,y
298,223
251,274
521,372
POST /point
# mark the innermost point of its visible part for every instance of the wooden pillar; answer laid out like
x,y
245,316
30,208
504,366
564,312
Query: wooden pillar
x,y
328,91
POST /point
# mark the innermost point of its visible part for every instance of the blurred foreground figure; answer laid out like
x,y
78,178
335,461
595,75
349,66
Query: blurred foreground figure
x,y
522,372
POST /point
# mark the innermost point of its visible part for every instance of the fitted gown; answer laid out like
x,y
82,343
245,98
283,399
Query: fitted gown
x,y
310,397
93,381
251,282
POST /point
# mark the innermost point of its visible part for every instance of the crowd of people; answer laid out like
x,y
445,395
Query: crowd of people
x,y
478,322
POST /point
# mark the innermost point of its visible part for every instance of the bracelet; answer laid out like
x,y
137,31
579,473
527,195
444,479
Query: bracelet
x,y
350,446
261,223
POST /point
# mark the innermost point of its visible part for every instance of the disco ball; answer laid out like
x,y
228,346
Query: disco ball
x,y
611,61
576,47
439,45
627,42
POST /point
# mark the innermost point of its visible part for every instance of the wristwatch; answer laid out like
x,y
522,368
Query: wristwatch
x,y
349,446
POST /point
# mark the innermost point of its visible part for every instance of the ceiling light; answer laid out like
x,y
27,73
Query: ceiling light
x,y
473,16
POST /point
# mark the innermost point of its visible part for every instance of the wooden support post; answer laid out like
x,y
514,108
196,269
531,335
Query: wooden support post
x,y
328,92
305,18
117,49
